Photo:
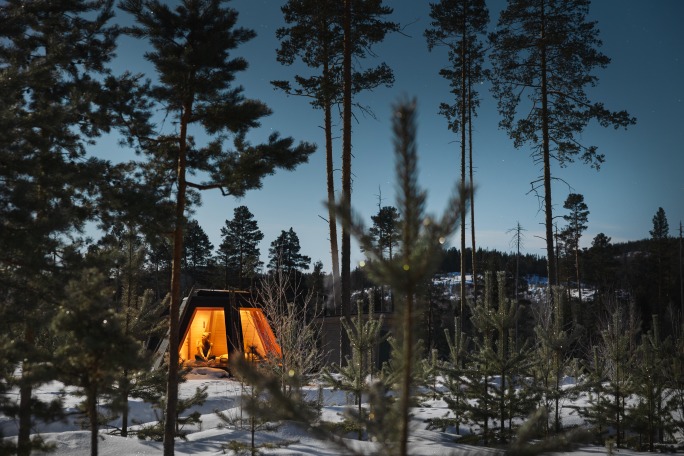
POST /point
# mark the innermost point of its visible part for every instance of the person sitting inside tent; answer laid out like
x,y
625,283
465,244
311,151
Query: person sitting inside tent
x,y
204,348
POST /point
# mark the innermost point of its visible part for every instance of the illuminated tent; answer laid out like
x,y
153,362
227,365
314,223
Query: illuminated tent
x,y
235,326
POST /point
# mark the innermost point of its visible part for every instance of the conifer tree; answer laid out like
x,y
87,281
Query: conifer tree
x,y
660,234
595,412
196,246
496,354
353,376
141,320
191,54
454,371
239,248
94,347
675,376
458,25
480,369
284,253
617,348
362,26
553,354
571,234
56,98
545,53
422,237
385,230
315,35
650,414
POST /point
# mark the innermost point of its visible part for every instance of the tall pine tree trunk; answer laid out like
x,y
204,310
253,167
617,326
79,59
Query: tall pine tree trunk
x,y
472,186
548,209
346,170
174,311
332,218
464,101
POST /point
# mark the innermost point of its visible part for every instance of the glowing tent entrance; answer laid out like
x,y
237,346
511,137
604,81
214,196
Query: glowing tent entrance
x,y
233,326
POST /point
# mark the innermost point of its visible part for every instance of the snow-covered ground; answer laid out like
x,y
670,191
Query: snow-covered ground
x,y
213,436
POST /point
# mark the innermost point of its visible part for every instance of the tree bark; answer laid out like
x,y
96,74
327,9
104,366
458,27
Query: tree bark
x,y
346,170
174,311
546,152
332,218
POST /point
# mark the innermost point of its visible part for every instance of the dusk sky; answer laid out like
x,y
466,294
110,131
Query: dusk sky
x,y
643,168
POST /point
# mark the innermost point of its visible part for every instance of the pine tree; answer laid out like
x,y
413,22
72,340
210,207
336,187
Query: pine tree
x,y
496,354
55,99
141,320
675,378
454,371
546,52
196,246
421,240
314,34
650,414
660,235
284,253
553,353
458,24
353,376
617,348
94,347
577,224
191,54
480,369
385,232
362,27
239,249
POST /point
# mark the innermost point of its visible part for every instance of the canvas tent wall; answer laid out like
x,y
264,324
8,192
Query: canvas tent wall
x,y
235,325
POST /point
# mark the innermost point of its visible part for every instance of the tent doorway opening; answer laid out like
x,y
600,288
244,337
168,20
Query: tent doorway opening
x,y
256,339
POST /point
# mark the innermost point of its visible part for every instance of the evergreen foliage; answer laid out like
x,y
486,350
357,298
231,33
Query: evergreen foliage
x,y
649,417
421,240
239,248
617,349
571,234
385,232
459,26
142,321
94,346
453,372
196,246
356,374
553,354
284,253
192,46
545,53
57,95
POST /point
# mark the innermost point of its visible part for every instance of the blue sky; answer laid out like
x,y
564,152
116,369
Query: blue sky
x,y
643,169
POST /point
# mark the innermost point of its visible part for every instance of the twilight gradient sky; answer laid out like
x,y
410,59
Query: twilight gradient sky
x,y
644,165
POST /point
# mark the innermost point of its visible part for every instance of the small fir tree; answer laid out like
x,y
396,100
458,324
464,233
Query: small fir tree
x,y
650,415
454,371
422,237
364,333
94,347
553,355
617,348
191,51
